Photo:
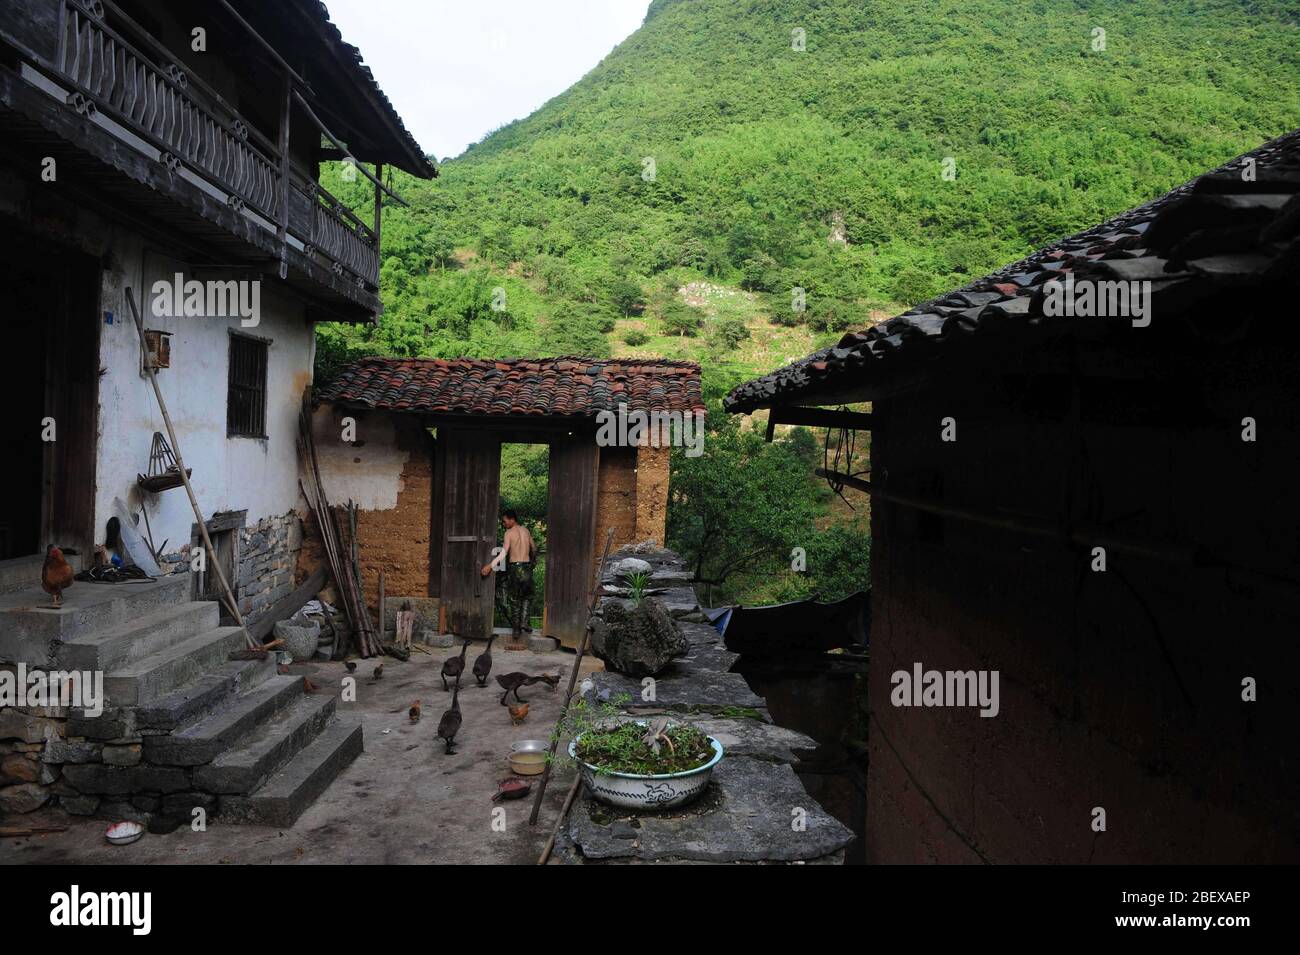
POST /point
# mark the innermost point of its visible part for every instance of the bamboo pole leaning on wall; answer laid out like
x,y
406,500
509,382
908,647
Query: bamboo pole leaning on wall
x,y
210,551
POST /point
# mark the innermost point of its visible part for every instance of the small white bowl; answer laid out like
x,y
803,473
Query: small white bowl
x,y
124,833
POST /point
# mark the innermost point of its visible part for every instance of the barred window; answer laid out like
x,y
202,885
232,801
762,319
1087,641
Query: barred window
x,y
246,391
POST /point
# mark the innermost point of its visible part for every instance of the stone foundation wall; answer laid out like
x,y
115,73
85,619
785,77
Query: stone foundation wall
x,y
266,558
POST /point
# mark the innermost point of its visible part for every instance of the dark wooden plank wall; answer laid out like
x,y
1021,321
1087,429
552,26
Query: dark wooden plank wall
x,y
72,399
571,534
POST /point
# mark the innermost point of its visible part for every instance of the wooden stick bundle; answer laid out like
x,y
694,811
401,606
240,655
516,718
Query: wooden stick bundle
x,y
347,578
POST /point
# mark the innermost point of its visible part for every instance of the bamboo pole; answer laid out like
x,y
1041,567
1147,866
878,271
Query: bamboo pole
x,y
573,678
185,479
564,812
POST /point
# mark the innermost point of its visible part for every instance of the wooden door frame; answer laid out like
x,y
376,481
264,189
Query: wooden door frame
x,y
550,437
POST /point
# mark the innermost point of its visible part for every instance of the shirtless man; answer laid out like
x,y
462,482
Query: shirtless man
x,y
516,558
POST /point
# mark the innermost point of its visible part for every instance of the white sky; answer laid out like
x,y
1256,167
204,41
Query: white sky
x,y
458,69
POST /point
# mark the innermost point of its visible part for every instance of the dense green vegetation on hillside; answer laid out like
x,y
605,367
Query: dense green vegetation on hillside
x,y
674,200
762,153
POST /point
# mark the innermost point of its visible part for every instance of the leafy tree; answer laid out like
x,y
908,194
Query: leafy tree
x,y
742,503
627,297
681,319
727,333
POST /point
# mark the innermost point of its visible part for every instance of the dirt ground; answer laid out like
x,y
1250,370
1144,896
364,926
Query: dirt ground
x,y
401,801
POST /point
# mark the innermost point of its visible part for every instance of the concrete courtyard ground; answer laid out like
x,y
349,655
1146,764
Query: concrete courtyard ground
x,y
401,801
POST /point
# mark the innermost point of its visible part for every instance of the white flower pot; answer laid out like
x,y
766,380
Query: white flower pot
x,y
632,791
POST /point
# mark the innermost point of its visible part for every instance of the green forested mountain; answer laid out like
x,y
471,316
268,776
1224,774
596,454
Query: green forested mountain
x,y
872,153
821,168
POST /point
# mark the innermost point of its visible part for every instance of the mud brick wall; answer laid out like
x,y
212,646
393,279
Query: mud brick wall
x,y
389,474
1119,689
616,496
651,493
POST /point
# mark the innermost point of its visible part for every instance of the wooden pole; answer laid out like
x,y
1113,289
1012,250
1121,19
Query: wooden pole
x,y
180,465
564,812
1036,527
573,678
338,144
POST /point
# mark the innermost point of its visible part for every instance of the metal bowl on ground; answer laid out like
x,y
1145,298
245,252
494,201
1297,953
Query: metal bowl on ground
x,y
528,756
124,833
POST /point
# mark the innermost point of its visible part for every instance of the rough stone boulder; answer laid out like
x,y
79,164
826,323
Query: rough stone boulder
x,y
632,565
637,640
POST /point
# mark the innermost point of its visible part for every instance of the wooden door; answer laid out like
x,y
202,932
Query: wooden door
x,y
570,536
470,470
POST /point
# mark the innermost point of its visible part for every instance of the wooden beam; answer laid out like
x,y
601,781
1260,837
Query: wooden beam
x,y
1035,526
262,41
818,418
286,186
289,605
338,144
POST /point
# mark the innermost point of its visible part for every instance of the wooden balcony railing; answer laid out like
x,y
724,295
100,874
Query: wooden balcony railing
x,y
115,67
347,242
158,100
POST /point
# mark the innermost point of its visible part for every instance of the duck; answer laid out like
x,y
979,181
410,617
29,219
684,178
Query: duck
x,y
483,663
511,682
453,667
449,725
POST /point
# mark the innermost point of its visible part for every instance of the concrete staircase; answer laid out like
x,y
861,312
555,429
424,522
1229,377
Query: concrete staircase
x,y
181,719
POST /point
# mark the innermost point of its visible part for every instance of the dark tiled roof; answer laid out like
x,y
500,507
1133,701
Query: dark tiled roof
x,y
534,387
1222,228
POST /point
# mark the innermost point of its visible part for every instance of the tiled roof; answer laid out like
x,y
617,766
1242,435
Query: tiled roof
x,y
535,387
1238,224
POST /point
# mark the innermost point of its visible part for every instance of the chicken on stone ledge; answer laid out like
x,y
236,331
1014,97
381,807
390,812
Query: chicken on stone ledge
x,y
56,575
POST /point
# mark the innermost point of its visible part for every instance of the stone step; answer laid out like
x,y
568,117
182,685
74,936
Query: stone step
x,y
243,767
204,695
118,646
29,631
206,739
164,670
287,793
18,573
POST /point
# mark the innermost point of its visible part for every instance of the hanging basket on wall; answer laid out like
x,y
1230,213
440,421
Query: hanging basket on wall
x,y
164,473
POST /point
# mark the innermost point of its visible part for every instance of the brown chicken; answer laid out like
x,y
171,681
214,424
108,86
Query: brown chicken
x,y
414,712
56,575
518,713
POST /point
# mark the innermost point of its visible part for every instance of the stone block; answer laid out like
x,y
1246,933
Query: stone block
x,y
123,780
22,798
59,751
543,644
127,755
432,638
28,728
79,805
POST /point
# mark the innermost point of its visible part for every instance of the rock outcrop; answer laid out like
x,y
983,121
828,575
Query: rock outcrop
x,y
637,639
